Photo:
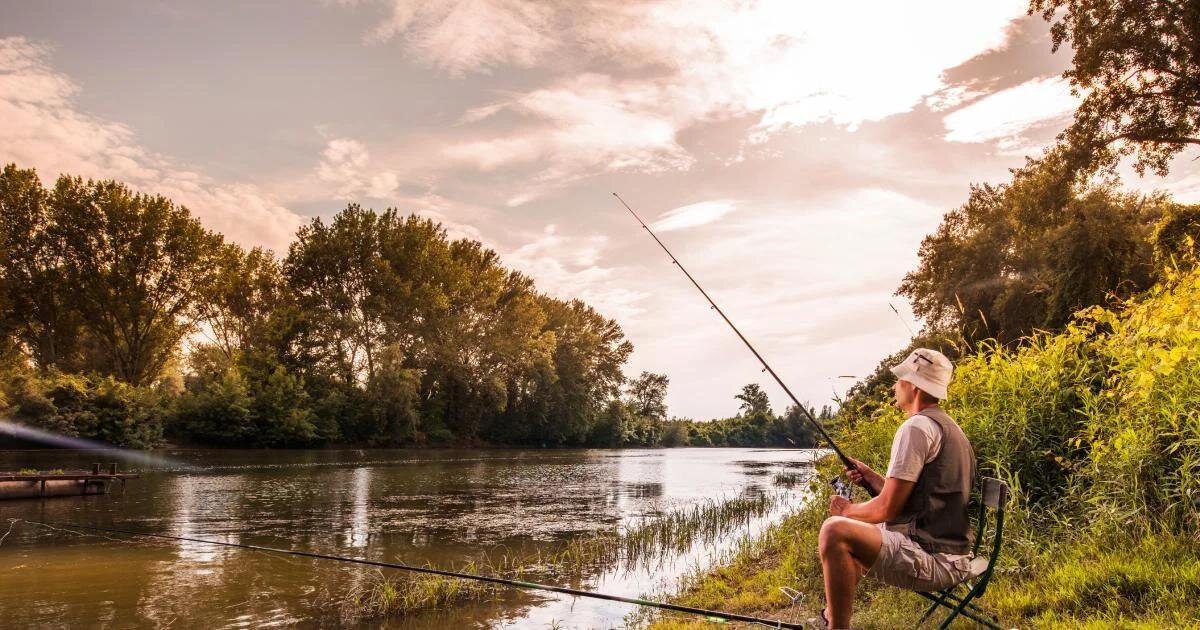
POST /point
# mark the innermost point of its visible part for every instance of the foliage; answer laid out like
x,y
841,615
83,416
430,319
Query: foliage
x,y
96,407
648,394
1027,255
1176,237
1138,64
376,328
754,401
98,278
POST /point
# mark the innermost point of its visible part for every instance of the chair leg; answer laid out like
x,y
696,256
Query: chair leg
x,y
968,611
958,610
940,601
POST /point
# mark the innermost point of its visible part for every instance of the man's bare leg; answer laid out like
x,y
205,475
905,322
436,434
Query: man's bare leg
x,y
847,546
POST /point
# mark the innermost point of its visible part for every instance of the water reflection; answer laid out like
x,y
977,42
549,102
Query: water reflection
x,y
358,533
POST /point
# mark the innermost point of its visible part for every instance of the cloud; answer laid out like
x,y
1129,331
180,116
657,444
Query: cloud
x,y
577,125
1008,114
693,215
659,69
42,127
345,163
568,267
476,35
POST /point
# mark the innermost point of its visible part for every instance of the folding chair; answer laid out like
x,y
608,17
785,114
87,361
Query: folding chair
x,y
995,496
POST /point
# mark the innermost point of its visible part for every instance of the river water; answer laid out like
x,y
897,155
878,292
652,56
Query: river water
x,y
444,508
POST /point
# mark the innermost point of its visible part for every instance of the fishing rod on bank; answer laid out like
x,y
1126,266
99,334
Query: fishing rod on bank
x,y
804,410
712,615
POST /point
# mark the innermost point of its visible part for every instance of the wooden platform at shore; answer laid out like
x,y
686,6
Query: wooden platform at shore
x,y
61,484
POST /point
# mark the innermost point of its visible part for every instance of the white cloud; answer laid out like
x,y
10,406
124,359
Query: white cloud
x,y
346,164
568,267
584,122
42,127
1006,115
462,35
693,215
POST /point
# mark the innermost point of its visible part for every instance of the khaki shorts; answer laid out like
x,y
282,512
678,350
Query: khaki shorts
x,y
904,564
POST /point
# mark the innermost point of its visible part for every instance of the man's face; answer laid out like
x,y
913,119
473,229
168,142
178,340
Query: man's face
x,y
903,392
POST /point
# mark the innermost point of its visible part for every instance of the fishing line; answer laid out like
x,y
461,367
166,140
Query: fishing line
x,y
807,414
711,614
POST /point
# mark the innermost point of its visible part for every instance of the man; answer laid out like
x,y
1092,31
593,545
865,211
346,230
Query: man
x,y
915,534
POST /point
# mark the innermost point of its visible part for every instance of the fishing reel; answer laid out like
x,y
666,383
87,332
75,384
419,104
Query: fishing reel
x,y
841,487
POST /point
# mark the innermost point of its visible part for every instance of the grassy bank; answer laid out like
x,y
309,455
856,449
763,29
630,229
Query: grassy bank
x,y
1097,431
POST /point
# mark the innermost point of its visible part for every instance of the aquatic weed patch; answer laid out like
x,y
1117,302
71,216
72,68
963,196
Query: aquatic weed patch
x,y
651,542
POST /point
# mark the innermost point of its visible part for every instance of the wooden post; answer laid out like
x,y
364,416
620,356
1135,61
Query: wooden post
x,y
112,468
95,469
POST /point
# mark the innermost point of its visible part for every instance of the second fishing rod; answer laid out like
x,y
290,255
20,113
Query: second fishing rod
x,y
803,409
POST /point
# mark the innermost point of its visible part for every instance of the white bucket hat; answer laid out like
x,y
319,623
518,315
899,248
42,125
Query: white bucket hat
x,y
929,370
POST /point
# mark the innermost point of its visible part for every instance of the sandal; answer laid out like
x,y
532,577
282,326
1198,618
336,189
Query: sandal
x,y
820,621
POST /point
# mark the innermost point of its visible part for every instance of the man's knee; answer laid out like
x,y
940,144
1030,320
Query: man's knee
x,y
835,532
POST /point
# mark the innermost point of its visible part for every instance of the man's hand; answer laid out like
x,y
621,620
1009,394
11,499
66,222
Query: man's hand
x,y
837,504
862,472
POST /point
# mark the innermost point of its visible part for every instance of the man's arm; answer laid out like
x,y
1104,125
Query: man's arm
x,y
881,509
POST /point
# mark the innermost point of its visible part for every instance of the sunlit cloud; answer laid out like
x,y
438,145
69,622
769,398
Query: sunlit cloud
x,y
41,126
693,215
569,267
346,165
676,65
1006,115
471,35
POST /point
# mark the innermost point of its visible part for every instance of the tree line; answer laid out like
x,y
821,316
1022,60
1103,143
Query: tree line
x,y
123,319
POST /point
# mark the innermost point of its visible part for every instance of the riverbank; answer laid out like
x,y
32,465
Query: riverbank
x,y
1095,429
1115,580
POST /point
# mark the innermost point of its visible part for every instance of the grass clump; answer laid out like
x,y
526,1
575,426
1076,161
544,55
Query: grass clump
x,y
387,594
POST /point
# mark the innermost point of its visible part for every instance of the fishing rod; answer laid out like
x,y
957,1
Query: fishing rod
x,y
807,414
711,614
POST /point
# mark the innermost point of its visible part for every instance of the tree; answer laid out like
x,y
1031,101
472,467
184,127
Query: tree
x,y
1029,254
336,274
1176,237
1138,61
648,394
754,401
38,309
240,296
134,266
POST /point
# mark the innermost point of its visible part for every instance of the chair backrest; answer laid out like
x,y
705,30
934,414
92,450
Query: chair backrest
x,y
995,498
995,493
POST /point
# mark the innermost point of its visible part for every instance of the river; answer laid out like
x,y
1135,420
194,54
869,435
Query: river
x,y
444,508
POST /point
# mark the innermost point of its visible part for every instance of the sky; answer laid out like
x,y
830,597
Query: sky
x,y
791,154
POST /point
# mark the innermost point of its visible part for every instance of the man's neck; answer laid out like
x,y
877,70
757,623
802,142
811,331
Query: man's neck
x,y
918,406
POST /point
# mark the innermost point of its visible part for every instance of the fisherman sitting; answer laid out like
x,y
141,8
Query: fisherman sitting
x,y
915,534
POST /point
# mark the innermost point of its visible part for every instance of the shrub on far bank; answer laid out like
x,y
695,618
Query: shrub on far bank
x,y
94,407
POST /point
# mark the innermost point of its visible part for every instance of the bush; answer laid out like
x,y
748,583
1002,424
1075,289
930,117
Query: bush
x,y
93,407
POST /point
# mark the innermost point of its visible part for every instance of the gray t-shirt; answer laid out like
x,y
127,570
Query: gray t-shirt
x,y
917,442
